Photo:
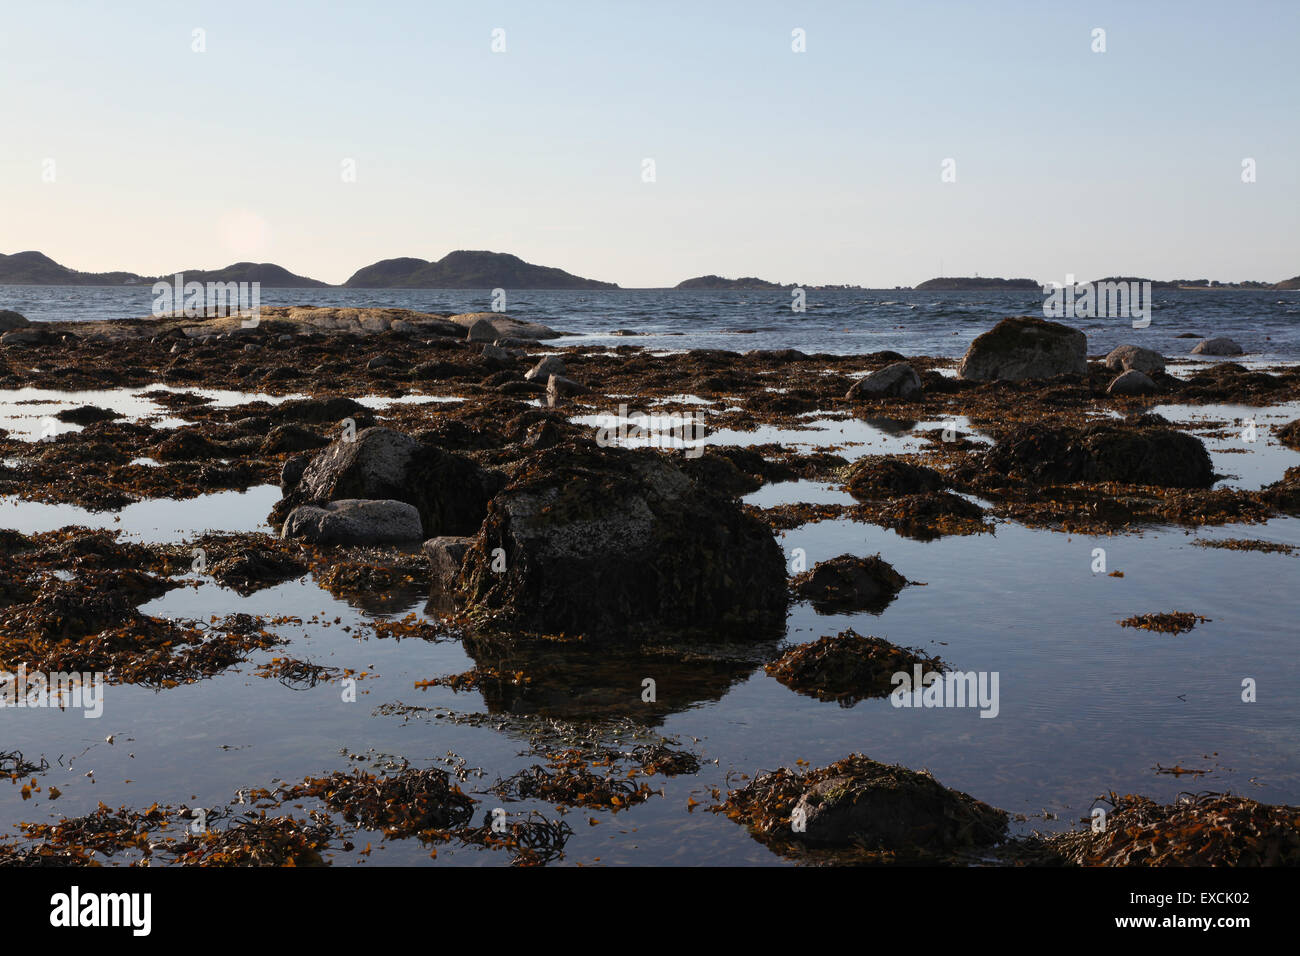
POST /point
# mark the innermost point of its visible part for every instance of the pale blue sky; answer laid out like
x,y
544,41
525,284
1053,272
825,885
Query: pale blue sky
x,y
817,167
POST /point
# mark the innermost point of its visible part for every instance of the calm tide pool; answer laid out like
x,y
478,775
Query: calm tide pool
x,y
1084,706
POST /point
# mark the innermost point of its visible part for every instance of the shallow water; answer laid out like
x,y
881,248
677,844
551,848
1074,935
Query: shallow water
x,y
1084,706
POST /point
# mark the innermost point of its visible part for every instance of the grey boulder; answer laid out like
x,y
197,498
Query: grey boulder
x,y
1025,347
551,365
449,492
1127,357
897,381
1217,346
354,521
446,554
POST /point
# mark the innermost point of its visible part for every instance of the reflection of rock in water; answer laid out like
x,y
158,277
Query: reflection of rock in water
x,y
891,426
573,678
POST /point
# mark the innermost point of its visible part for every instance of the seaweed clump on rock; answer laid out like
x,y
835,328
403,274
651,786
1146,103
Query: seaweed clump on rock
x,y
1143,451
850,583
1208,829
860,810
880,476
847,667
615,542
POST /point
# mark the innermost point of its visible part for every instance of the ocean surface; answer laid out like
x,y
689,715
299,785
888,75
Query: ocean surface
x,y
1265,323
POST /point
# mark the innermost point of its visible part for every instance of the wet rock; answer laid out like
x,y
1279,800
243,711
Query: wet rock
x,y
86,415
517,387
776,355
436,371
894,808
879,476
10,320
1142,452
558,388
1200,830
291,438
187,445
1289,434
718,471
496,353
848,667
321,411
291,472
848,583
481,331
932,514
1025,348
354,522
1217,346
255,568
858,802
1132,382
897,381
614,542
504,326
550,365
450,492
29,336
446,555
1126,357
559,385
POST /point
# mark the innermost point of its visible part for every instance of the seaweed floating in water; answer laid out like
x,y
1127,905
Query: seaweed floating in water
x,y
1171,622
400,804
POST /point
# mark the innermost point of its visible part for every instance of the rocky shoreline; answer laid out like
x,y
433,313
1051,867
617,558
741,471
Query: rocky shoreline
x,y
456,454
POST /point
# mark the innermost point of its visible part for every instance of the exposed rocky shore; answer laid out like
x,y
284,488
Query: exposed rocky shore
x,y
556,555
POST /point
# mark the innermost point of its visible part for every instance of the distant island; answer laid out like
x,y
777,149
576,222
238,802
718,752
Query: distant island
x,y
717,282
957,283
960,283
464,269
267,273
36,268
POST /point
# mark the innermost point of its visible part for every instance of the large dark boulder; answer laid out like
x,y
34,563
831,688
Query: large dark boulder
x,y
1140,452
619,543
451,493
1025,347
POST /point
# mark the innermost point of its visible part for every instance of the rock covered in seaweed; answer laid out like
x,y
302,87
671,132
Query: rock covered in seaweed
x,y
847,667
616,542
1143,451
848,582
1025,347
862,805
